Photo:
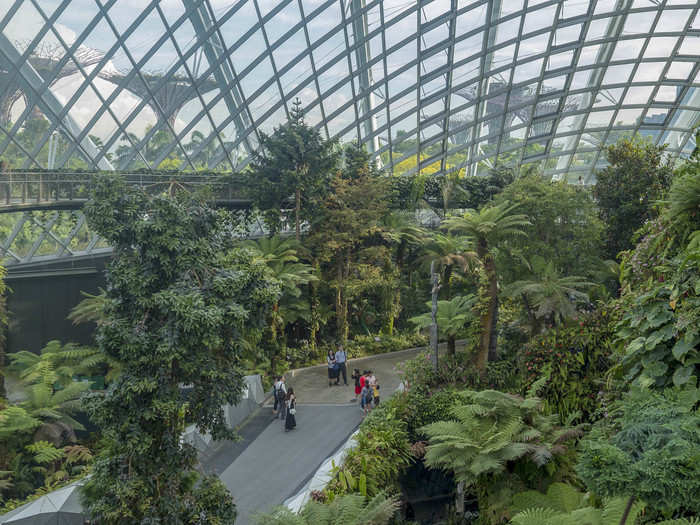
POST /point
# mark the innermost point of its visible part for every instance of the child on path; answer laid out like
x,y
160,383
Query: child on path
x,y
366,398
375,393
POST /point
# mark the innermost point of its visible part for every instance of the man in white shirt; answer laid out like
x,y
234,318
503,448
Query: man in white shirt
x,y
341,358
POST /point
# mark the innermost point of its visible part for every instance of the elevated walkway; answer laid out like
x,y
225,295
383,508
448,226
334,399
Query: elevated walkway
x,y
44,191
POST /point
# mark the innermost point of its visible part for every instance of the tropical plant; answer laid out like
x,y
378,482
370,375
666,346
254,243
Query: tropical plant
x,y
450,253
350,509
489,228
3,324
565,505
613,512
647,450
347,230
177,314
493,434
574,359
565,228
89,310
294,162
626,190
57,364
452,317
280,257
660,329
549,296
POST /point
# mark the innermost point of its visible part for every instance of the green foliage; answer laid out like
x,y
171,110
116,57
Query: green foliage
x,y
3,325
366,345
59,364
576,358
565,229
468,192
490,228
177,314
491,432
452,317
449,253
564,505
627,189
350,509
295,164
647,449
284,266
660,330
347,236
381,454
550,296
89,310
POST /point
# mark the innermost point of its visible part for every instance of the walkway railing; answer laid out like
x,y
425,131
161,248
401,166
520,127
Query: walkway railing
x,y
25,191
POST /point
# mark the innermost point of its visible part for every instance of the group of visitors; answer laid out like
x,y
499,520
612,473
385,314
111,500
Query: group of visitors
x,y
366,388
285,406
337,365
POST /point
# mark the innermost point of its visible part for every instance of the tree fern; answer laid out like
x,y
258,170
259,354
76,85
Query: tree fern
x,y
564,505
489,432
350,509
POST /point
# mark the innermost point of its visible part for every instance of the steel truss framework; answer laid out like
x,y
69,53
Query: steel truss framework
x,y
548,80
447,86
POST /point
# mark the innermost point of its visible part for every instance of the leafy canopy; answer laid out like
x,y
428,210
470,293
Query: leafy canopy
x,y
647,449
490,432
175,315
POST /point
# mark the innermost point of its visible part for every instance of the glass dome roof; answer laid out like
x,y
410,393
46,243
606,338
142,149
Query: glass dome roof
x,y
437,86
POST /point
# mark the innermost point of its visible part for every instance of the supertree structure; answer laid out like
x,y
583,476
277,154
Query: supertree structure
x,y
165,100
45,60
521,99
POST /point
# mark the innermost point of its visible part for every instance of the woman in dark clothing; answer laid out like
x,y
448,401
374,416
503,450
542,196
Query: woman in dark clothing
x,y
358,388
330,359
291,421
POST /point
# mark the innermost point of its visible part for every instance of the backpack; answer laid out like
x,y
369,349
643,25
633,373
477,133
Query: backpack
x,y
279,393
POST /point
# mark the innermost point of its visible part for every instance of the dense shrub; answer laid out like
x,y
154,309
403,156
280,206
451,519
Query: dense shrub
x,y
382,452
574,358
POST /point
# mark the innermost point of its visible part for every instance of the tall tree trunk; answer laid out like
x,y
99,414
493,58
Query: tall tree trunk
x,y
492,311
314,305
493,342
339,300
433,314
487,315
451,345
297,213
628,508
346,325
532,318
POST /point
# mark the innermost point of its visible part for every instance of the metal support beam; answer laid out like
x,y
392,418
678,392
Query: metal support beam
x,y
588,98
684,119
363,57
47,101
493,13
224,74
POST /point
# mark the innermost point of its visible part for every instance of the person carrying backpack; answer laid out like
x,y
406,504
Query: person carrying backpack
x,y
366,398
281,398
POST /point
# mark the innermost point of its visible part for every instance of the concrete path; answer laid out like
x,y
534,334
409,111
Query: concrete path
x,y
278,463
268,465
311,384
